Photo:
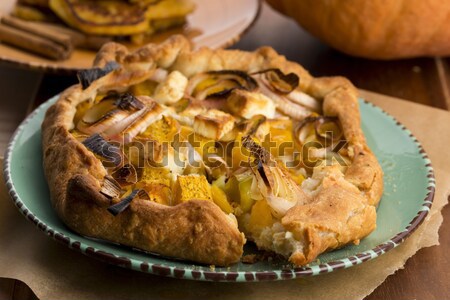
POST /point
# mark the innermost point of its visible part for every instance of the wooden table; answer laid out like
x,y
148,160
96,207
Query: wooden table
x,y
422,80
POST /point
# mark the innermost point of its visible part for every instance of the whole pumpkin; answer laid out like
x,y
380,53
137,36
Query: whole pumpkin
x,y
382,29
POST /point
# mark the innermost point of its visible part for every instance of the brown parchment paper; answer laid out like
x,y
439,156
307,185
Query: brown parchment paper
x,y
56,272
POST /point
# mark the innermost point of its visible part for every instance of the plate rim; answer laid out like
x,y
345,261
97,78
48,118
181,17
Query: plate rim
x,y
212,275
51,68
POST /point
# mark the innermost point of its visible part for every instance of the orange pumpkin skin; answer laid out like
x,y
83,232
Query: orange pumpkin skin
x,y
381,29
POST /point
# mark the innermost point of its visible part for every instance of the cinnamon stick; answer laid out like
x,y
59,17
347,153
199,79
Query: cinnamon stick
x,y
59,38
79,39
33,43
49,40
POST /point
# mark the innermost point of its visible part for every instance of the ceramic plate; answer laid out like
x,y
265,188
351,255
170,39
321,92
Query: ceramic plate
x,y
409,190
214,23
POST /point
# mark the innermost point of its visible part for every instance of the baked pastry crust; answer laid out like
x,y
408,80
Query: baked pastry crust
x,y
341,211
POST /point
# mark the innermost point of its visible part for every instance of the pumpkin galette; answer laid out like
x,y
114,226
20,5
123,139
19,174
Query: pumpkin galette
x,y
190,154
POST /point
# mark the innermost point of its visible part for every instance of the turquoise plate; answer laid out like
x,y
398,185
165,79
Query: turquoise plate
x,y
409,190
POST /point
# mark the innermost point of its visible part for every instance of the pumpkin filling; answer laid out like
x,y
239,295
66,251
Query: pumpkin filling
x,y
252,143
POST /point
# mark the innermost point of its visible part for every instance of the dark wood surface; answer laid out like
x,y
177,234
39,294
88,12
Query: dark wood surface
x,y
421,80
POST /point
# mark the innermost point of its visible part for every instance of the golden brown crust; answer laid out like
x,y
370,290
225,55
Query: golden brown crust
x,y
336,217
342,212
196,230
338,214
